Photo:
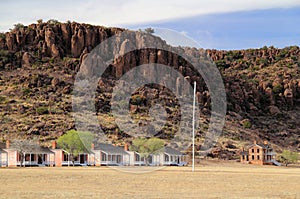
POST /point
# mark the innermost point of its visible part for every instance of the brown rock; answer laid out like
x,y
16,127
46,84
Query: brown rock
x,y
77,43
55,82
288,94
27,59
274,110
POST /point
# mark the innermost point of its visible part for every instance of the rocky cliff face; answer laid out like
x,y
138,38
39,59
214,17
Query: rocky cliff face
x,y
38,64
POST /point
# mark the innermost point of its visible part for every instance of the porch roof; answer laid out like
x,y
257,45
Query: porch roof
x,y
110,149
244,153
171,151
2,151
36,150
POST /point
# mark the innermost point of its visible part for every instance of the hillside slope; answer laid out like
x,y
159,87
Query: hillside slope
x,y
38,65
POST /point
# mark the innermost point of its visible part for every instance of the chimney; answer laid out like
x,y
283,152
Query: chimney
x,y
93,146
7,144
126,147
265,142
254,142
54,144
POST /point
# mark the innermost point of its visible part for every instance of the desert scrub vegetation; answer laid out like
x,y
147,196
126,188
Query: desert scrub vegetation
x,y
2,35
247,124
2,99
18,26
277,89
53,22
42,110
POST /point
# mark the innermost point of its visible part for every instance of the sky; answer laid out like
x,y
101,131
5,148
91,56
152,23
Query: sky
x,y
230,24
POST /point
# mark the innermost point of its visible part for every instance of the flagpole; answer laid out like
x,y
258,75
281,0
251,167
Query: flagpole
x,y
194,102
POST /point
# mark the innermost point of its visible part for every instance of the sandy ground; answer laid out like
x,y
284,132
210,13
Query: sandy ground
x,y
210,180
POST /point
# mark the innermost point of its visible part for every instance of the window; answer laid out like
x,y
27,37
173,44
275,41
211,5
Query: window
x,y
252,157
257,150
258,157
137,157
166,158
32,157
103,157
252,150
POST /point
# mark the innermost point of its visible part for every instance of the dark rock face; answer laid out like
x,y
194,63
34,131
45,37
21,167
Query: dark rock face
x,y
56,40
44,58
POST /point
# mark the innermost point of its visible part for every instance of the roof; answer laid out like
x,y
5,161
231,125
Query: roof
x,y
264,146
38,150
2,145
2,151
32,148
244,153
110,149
44,150
171,151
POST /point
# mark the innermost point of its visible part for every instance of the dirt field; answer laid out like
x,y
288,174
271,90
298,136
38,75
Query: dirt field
x,y
211,180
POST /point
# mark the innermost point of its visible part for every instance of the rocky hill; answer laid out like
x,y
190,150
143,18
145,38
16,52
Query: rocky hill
x,y
38,64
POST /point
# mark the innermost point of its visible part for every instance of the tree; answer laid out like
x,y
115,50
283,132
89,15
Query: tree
x,y
145,147
288,157
23,147
75,142
149,30
39,21
53,22
137,100
18,26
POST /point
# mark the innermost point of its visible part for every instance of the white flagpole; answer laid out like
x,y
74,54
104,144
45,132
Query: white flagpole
x,y
194,102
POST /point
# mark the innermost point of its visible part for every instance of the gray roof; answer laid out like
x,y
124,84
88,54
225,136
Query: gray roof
x,y
110,149
171,151
244,153
264,146
35,149
44,150
2,145
2,151
38,150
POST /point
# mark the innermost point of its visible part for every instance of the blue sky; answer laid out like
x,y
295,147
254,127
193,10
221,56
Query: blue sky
x,y
237,30
231,24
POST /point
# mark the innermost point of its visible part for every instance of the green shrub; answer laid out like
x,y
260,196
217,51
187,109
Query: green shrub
x,y
3,53
39,21
288,157
42,110
53,22
26,91
247,124
221,64
137,99
234,54
149,30
2,99
263,61
277,89
18,26
254,81
2,35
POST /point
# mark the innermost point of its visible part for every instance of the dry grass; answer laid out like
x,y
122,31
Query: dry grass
x,y
211,180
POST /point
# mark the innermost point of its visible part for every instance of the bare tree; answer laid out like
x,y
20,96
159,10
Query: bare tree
x,y
23,147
